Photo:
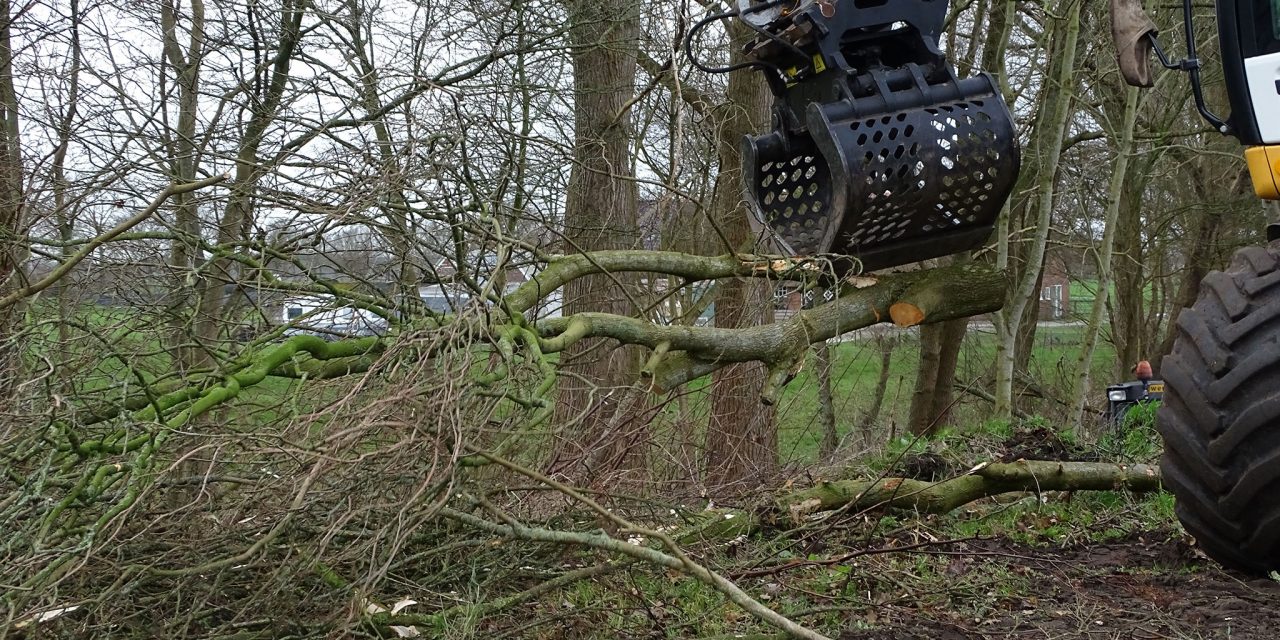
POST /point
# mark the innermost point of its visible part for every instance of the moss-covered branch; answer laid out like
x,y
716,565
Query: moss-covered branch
x,y
564,269
199,397
955,292
984,481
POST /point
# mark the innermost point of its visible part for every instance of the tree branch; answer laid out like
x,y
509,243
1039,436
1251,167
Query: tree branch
x,y
664,74
957,291
644,554
63,269
983,481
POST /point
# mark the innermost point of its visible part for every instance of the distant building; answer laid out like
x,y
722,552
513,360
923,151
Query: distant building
x,y
1055,290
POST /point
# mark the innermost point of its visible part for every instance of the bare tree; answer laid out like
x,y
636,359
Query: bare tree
x,y
13,204
600,213
742,436
1050,132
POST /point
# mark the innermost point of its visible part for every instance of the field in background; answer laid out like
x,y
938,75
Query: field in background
x,y
855,368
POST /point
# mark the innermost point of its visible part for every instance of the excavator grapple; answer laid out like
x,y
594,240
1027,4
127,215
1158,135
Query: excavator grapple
x,y
878,151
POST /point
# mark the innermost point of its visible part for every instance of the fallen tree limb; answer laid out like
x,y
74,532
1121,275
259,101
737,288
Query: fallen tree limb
x,y
708,526
984,481
642,553
958,291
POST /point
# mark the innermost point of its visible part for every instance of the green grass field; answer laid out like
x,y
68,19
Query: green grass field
x,y
855,370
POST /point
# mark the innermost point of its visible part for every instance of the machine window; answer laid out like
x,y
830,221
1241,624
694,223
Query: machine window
x,y
1275,20
1270,42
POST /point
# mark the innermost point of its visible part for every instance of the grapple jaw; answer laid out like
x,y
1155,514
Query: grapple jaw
x,y
878,152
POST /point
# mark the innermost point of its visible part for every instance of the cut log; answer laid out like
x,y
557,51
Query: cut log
x,y
984,481
940,292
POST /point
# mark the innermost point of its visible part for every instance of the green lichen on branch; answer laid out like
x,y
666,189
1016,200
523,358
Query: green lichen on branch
x,y
983,481
957,291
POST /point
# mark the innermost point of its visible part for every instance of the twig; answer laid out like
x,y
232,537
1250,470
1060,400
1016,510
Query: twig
x,y
796,564
646,554
494,606
63,269
676,560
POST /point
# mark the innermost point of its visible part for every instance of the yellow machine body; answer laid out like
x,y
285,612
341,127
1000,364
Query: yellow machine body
x,y
1264,168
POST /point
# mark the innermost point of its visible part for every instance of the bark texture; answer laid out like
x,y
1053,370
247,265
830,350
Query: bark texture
x,y
600,213
920,419
984,481
944,398
742,436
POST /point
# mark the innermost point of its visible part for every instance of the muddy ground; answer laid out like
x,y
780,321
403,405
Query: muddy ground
x,y
1149,585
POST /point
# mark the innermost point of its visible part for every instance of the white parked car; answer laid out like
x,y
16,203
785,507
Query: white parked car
x,y
317,316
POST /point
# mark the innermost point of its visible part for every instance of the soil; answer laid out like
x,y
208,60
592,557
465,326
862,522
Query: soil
x,y
925,466
1149,585
1041,443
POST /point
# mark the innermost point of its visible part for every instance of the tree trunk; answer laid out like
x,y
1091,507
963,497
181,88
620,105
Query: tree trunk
x,y
936,373
887,346
399,232
600,213
931,403
1000,22
12,210
1051,129
742,437
1120,170
826,403
62,205
181,150
953,335
920,419
1127,306
238,214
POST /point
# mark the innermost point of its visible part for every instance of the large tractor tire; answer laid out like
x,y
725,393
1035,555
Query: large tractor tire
x,y
1221,414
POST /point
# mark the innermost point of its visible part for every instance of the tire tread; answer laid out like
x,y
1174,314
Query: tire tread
x,y
1222,460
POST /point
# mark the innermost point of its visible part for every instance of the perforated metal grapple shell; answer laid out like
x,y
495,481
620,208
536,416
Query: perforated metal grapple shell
x,y
888,188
